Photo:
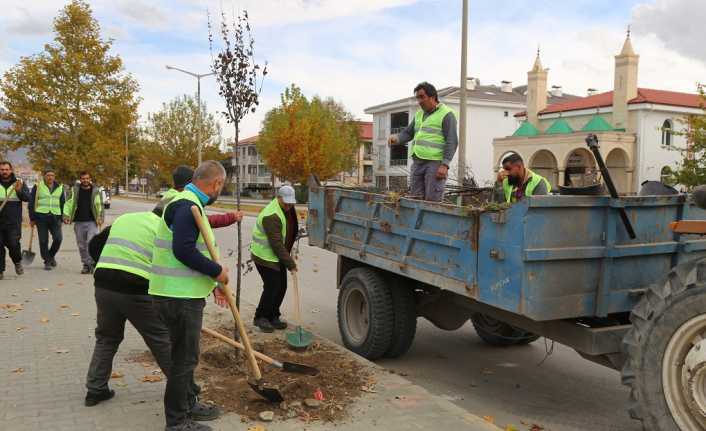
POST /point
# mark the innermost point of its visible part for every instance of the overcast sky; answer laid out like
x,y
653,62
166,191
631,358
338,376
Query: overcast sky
x,y
366,52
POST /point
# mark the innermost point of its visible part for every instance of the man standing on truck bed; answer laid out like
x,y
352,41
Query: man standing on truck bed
x,y
515,181
434,142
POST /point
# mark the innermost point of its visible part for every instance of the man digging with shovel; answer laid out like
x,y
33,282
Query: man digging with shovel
x,y
181,277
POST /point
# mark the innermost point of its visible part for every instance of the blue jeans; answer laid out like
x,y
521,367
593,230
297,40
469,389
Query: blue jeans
x,y
183,318
46,225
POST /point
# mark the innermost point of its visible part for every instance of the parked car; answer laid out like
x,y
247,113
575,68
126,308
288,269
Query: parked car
x,y
105,194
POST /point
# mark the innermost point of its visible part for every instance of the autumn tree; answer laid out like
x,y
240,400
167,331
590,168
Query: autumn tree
x,y
170,138
70,104
303,137
691,171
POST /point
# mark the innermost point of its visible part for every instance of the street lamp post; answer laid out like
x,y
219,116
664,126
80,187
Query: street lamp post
x,y
126,163
462,110
198,99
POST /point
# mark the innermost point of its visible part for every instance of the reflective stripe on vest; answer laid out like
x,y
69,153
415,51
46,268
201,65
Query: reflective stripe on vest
x,y
168,276
11,195
535,179
260,245
129,245
48,201
429,143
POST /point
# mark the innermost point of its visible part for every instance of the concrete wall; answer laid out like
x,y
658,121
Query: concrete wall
x,y
652,155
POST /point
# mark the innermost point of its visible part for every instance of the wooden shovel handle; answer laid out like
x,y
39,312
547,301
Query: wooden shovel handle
x,y
229,295
31,239
232,342
297,305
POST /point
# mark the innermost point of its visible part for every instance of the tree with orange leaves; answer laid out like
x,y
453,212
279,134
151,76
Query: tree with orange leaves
x,y
303,137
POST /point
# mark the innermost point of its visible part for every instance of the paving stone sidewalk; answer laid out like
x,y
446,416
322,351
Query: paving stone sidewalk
x,y
46,339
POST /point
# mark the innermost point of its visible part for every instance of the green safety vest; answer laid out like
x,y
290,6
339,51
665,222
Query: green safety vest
x,y
169,194
129,245
46,201
71,204
260,245
429,143
8,193
168,276
534,181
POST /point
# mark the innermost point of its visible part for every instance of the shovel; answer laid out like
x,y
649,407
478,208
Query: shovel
x,y
287,367
270,394
28,255
300,338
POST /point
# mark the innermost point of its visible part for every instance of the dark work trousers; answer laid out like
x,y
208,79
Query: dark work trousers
x,y
183,318
113,309
49,224
10,238
273,291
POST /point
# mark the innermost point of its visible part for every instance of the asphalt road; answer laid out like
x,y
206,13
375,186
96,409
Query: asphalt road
x,y
515,385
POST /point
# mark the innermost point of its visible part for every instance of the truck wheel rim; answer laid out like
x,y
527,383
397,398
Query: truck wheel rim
x,y
357,315
684,375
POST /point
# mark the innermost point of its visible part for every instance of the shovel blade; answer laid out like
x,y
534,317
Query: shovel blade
x,y
291,367
270,394
27,257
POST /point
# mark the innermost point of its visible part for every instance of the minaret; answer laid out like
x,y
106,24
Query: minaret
x,y
536,91
625,86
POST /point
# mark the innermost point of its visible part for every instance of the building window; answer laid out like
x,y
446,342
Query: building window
x,y
667,133
382,156
252,169
263,171
506,114
380,123
252,151
398,121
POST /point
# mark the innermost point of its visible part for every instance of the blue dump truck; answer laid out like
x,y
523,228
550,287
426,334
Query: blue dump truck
x,y
560,267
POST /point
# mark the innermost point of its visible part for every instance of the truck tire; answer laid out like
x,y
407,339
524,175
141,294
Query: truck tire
x,y
665,350
501,334
405,320
365,313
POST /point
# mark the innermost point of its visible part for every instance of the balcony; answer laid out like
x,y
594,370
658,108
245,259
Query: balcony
x,y
398,162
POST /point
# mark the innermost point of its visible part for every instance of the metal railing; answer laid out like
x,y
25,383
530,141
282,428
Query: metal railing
x,y
398,162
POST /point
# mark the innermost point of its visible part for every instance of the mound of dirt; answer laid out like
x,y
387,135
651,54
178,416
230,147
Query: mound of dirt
x,y
328,397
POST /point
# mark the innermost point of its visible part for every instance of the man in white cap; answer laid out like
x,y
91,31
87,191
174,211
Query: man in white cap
x,y
272,240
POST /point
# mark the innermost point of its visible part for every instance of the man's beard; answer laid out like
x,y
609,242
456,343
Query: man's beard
x,y
513,180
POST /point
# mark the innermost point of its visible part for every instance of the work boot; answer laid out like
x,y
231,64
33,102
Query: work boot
x,y
48,266
86,269
52,262
264,325
93,398
189,425
19,269
278,323
205,412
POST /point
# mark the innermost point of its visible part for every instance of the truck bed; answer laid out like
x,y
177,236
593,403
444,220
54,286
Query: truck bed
x,y
545,258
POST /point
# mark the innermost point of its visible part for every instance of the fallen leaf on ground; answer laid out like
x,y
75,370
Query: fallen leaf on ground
x,y
146,364
511,428
64,306
119,383
116,375
314,310
536,427
59,284
368,389
44,320
257,428
20,328
18,370
489,419
11,307
75,314
152,379
61,351
43,289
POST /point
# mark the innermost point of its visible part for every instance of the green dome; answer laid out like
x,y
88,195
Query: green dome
x,y
560,127
597,124
526,129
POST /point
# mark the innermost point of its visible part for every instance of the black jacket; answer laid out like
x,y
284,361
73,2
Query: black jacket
x,y
11,215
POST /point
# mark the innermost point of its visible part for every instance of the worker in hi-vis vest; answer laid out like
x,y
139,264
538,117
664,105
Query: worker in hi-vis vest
x,y
434,140
273,237
182,275
515,181
46,206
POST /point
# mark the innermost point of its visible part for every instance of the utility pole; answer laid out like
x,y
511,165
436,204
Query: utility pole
x,y
462,110
126,163
198,101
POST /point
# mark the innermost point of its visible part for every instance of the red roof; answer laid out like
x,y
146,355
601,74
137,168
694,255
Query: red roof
x,y
250,140
366,130
644,95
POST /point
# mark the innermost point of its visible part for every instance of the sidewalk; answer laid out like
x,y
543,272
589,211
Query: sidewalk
x,y
47,339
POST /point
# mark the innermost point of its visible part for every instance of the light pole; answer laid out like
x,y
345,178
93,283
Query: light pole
x,y
126,163
198,99
462,110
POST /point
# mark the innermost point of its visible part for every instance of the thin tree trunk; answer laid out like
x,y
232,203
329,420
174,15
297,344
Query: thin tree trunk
x,y
236,193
